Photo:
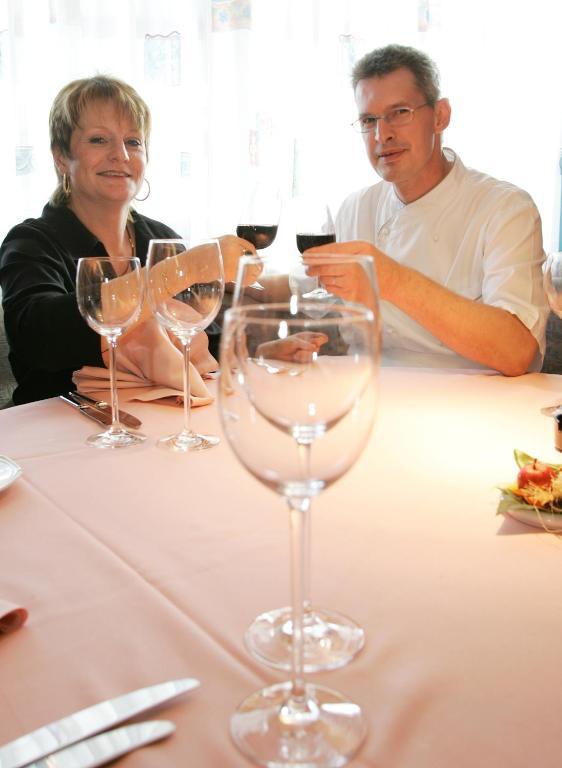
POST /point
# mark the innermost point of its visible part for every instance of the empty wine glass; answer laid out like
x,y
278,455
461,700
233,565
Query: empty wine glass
x,y
185,291
331,639
109,292
315,226
289,383
552,281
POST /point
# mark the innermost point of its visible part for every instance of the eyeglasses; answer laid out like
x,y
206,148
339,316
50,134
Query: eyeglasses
x,y
396,117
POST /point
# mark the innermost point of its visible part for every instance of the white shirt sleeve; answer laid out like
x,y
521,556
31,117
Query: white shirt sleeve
x,y
513,261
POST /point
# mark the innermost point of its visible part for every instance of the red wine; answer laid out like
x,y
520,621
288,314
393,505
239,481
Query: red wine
x,y
259,236
311,241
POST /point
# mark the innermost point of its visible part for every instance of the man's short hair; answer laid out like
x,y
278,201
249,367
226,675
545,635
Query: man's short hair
x,y
383,61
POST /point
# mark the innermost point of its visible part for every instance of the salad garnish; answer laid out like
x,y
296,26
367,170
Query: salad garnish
x,y
538,485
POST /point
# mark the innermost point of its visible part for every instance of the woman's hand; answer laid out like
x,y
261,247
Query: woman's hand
x,y
232,248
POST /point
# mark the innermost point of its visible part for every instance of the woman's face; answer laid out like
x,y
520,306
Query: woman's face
x,y
107,158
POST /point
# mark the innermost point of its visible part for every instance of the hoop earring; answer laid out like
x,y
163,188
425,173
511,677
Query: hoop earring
x,y
142,199
66,185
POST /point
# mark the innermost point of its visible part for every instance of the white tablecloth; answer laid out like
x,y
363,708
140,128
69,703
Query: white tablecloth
x,y
140,566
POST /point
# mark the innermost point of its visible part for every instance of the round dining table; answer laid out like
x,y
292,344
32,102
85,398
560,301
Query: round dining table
x,y
138,566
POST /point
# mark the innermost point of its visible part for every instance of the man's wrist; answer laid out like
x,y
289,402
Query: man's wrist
x,y
391,277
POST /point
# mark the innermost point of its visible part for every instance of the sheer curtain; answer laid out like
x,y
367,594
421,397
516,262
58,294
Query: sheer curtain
x,y
240,89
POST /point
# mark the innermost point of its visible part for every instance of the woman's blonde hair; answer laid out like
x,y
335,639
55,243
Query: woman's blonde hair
x,y
71,101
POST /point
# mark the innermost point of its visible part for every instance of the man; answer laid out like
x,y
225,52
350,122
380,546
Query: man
x,y
458,254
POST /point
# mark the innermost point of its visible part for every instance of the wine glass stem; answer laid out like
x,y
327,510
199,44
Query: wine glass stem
x,y
304,449
306,603
186,343
298,508
112,349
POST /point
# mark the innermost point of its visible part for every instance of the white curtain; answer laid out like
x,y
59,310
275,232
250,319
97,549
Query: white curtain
x,y
240,89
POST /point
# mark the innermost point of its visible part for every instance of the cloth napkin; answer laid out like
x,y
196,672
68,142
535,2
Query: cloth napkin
x,y
149,366
11,617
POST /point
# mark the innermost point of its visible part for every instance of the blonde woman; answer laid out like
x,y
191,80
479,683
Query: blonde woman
x,y
99,132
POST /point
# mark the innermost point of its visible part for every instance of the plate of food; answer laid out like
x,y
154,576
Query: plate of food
x,y
9,472
535,497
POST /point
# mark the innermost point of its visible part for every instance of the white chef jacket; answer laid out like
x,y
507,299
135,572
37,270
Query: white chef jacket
x,y
473,234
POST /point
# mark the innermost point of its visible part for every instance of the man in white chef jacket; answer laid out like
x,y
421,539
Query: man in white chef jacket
x,y
458,254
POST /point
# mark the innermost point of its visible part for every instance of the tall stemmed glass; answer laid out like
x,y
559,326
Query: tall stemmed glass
x,y
109,292
331,639
259,217
277,396
185,290
315,226
552,281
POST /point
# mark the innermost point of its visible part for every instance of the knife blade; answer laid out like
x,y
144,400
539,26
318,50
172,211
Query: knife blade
x,y
92,413
108,746
87,722
125,418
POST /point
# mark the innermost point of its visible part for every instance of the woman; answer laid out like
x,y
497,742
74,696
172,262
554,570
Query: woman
x,y
99,131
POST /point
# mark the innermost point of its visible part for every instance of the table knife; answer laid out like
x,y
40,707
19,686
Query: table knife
x,y
108,746
87,722
92,413
125,418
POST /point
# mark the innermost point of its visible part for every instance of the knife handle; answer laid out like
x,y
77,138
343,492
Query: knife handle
x,y
125,418
98,416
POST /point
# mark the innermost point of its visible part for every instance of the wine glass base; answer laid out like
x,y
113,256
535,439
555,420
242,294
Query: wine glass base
x,y
184,442
318,293
331,639
120,438
329,734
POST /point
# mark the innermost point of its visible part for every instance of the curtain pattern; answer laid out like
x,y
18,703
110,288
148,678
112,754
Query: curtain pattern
x,y
243,89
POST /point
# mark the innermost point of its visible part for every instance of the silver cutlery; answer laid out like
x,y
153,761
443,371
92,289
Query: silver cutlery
x,y
125,418
92,413
87,722
108,746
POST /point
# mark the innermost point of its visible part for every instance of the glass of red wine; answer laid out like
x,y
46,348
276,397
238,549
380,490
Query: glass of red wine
x,y
315,226
259,217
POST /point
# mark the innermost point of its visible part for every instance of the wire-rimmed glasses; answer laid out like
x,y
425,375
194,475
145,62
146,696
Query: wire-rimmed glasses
x,y
395,117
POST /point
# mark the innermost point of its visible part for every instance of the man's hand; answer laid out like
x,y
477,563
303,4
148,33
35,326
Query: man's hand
x,y
349,280
298,348
489,335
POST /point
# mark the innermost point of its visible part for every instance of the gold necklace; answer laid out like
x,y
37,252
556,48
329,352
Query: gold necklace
x,y
131,242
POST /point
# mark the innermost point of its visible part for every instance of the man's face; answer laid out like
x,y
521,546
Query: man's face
x,y
408,156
